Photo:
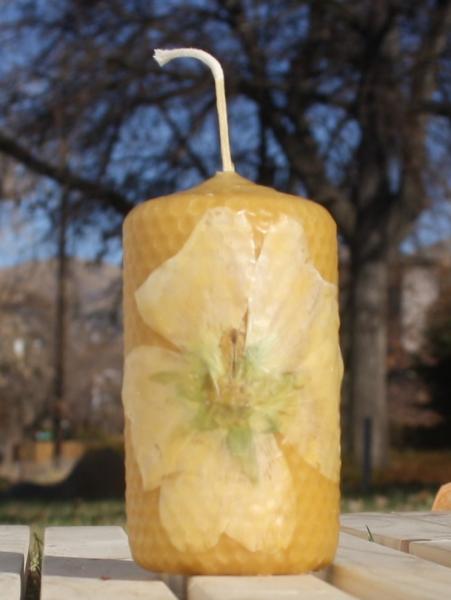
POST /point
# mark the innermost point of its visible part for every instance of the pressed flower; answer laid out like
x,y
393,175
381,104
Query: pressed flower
x,y
255,364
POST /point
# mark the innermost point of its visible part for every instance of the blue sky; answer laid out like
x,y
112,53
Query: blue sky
x,y
24,238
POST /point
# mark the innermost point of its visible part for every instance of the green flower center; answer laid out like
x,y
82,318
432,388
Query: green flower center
x,y
241,401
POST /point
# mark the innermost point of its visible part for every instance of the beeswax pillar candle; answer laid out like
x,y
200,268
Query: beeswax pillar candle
x,y
232,377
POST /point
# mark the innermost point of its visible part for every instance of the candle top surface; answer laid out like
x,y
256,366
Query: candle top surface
x,y
224,185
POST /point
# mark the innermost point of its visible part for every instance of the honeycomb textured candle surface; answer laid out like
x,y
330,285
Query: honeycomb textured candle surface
x,y
231,381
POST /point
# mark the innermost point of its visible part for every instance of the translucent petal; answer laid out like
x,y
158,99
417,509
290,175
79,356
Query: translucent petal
x,y
293,328
157,414
314,428
285,291
212,495
261,514
201,292
191,504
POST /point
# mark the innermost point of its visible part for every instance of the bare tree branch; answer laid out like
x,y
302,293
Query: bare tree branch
x,y
412,194
438,109
64,176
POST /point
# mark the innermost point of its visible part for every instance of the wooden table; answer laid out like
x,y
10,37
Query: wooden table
x,y
380,556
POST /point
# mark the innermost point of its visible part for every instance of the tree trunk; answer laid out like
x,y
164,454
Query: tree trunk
x,y
368,359
60,330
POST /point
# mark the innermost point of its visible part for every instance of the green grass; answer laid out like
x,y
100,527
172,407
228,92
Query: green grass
x,y
75,512
398,499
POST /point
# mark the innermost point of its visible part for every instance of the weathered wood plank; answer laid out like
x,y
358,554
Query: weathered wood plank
x,y
82,563
14,549
292,587
394,530
371,571
440,518
438,551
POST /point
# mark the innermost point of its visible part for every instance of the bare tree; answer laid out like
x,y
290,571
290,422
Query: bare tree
x,y
346,102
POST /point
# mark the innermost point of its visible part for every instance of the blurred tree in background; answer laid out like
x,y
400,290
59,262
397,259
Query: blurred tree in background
x,y
434,366
92,352
346,102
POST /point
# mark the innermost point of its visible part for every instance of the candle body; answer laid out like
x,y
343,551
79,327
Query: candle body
x,y
231,381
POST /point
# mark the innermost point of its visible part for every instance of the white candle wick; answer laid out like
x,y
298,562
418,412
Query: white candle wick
x,y
164,56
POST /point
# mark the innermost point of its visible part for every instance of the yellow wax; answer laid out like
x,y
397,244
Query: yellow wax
x,y
180,541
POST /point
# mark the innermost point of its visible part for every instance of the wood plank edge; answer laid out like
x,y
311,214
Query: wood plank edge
x,y
26,566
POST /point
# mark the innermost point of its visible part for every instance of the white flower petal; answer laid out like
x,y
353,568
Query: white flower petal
x,y
212,495
201,292
191,501
293,328
285,291
157,416
261,515
315,429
